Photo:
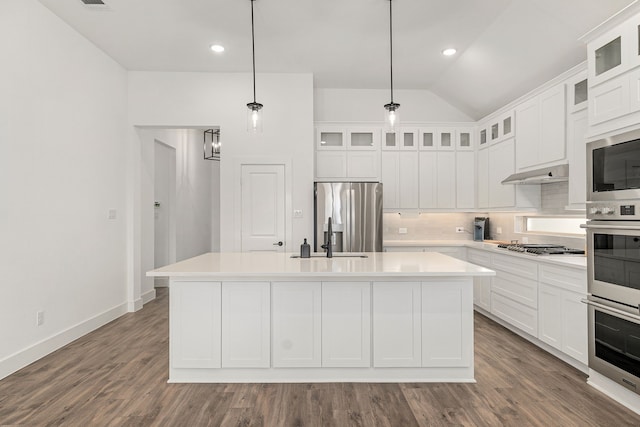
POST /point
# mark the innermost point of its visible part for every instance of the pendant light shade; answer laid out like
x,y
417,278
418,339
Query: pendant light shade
x,y
212,144
254,113
391,117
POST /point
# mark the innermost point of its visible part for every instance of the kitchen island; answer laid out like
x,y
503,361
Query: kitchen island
x,y
269,317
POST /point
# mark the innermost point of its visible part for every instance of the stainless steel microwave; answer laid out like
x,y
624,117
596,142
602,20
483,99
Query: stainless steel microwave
x,y
613,168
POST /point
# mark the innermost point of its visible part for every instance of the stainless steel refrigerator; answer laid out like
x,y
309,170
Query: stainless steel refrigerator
x,y
355,209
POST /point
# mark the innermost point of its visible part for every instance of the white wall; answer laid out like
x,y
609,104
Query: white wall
x,y
367,105
62,142
193,204
219,99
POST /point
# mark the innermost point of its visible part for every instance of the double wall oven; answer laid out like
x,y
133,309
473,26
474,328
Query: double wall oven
x,y
613,257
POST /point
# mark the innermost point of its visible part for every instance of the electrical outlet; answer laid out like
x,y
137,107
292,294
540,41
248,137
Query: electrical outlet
x,y
40,318
402,230
525,240
459,229
113,214
297,213
498,230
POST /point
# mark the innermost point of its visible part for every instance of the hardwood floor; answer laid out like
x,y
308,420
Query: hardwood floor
x,y
116,376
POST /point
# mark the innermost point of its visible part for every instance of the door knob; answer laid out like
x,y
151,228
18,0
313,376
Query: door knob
x,y
278,244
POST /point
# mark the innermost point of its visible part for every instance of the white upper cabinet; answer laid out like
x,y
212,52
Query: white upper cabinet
x,y
577,92
405,139
347,153
465,139
331,138
363,139
437,180
577,127
541,129
400,179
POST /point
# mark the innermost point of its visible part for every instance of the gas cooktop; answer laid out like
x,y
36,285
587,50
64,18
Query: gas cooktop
x,y
541,249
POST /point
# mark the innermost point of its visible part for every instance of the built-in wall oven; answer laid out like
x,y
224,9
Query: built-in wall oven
x,y
613,257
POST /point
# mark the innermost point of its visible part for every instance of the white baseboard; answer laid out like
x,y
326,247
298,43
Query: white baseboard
x,y
22,358
148,296
133,306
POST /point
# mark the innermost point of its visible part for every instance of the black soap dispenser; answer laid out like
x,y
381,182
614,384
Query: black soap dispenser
x,y
305,250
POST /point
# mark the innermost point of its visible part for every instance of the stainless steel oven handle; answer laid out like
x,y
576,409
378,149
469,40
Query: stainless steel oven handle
x,y
610,227
611,310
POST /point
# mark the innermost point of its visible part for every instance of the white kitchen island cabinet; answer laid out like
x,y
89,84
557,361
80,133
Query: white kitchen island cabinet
x,y
268,317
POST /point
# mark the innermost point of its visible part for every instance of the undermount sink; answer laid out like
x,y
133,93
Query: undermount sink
x,y
336,255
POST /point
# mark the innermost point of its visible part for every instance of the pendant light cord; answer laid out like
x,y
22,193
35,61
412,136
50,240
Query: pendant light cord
x,y
253,49
391,45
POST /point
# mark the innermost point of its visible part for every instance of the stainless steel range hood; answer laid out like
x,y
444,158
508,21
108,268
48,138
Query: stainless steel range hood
x,y
540,176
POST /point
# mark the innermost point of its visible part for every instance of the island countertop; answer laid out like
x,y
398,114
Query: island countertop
x,y
258,264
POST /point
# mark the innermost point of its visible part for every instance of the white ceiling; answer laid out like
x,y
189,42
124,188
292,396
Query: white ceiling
x,y
505,47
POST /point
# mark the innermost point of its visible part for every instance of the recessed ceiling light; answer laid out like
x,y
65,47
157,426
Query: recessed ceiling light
x,y
217,48
448,52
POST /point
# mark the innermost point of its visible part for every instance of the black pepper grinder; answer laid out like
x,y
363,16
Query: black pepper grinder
x,y
305,250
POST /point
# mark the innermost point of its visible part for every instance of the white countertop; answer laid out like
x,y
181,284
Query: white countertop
x,y
578,261
261,264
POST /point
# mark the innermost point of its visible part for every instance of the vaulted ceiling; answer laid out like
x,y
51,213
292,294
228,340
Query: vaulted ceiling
x,y
505,47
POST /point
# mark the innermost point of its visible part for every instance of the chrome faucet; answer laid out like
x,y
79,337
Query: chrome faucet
x,y
328,245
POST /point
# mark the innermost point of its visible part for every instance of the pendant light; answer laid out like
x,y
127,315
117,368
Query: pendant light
x,y
391,118
254,114
211,147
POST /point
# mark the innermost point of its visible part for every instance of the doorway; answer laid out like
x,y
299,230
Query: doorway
x,y
164,193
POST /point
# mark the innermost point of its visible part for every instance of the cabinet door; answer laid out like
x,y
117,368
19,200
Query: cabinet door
x,y
428,138
428,180
396,324
331,164
609,100
577,92
528,120
408,182
550,315
552,125
195,324
465,180
447,139
577,128
408,139
501,157
482,292
246,321
634,91
574,326
346,324
390,179
483,178
465,139
446,180
330,138
447,324
363,164
296,324
363,139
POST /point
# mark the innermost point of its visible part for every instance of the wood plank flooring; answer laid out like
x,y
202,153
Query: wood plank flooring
x,y
116,376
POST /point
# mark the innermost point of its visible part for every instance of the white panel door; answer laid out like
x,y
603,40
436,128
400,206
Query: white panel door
x,y
246,321
501,159
465,179
447,324
528,122
396,324
164,193
552,125
295,308
483,178
428,179
550,315
263,208
346,324
575,326
446,179
390,179
195,324
408,178
577,128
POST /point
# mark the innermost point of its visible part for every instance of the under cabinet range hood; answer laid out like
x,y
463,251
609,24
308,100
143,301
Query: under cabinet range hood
x,y
540,176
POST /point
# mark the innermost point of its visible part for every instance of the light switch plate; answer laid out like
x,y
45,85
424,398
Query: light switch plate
x,y
498,230
113,214
402,230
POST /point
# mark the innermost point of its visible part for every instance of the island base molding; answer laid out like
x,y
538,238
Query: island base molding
x,y
323,375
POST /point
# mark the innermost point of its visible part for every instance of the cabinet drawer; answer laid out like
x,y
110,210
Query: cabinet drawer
x,y
516,265
518,315
566,278
480,258
524,291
